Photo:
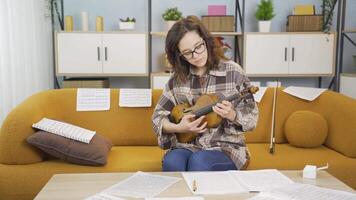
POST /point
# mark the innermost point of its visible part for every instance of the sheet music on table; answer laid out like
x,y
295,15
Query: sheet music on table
x,y
299,191
65,130
135,98
140,185
93,99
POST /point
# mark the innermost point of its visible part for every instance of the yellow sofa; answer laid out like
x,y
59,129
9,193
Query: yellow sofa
x,y
24,170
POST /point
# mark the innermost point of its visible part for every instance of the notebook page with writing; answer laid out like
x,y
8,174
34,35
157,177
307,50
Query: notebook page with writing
x,y
209,183
135,98
65,130
261,180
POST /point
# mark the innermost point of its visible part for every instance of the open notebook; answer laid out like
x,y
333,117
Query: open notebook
x,y
227,182
65,130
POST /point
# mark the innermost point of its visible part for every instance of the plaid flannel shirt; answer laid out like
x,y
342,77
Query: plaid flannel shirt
x,y
228,137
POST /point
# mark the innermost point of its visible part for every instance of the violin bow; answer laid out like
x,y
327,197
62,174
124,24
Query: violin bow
x,y
273,139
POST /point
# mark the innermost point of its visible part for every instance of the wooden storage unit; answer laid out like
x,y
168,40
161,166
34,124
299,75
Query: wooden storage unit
x,y
101,54
86,83
219,23
289,54
300,23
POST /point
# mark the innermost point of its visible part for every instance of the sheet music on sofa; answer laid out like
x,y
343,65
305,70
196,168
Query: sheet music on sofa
x,y
298,191
65,130
135,97
92,99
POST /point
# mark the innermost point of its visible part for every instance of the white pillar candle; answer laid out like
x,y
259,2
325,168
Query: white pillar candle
x,y
85,21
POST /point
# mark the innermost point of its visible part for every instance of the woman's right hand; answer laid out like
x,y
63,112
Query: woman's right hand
x,y
189,125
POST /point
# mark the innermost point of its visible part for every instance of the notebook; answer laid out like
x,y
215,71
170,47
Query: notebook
x,y
65,130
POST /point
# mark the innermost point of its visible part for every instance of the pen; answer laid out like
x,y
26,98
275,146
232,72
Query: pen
x,y
194,186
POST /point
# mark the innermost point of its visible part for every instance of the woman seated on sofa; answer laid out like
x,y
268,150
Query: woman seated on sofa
x,y
201,68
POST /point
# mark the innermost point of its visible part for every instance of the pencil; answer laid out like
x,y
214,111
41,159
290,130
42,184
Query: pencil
x,y
194,186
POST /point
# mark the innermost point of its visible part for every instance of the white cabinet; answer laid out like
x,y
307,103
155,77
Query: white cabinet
x,y
101,54
159,80
347,85
289,54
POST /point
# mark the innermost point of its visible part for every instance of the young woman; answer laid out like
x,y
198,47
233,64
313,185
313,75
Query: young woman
x,y
200,68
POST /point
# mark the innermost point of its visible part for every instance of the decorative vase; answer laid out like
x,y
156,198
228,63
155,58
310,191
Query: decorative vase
x,y
264,26
127,25
169,24
99,24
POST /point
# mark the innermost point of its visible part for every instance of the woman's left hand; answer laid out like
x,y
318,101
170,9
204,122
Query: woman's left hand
x,y
226,110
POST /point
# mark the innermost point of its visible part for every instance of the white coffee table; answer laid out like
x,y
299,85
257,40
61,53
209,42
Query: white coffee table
x,y
80,186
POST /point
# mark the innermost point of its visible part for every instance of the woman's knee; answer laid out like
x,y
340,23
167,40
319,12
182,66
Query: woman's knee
x,y
210,161
176,160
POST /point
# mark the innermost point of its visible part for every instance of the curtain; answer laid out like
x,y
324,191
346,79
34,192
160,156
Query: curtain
x,y
26,54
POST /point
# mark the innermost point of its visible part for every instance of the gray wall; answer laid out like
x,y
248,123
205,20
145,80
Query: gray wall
x,y
112,10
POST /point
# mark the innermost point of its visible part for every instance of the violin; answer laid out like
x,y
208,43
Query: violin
x,y
204,106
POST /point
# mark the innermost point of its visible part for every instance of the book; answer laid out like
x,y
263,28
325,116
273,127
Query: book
x,y
64,129
306,9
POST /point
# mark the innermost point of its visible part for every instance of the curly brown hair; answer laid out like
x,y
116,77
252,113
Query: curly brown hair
x,y
176,33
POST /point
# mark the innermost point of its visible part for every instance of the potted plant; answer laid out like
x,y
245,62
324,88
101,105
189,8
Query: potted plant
x,y
127,24
328,12
171,16
264,14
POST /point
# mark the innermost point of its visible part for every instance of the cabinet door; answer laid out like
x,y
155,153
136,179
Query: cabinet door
x,y
159,81
125,54
311,54
79,53
266,54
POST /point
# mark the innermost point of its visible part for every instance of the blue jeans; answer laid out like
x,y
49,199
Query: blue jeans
x,y
204,160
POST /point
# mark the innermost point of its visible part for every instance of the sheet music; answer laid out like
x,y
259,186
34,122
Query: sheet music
x,y
65,130
259,94
261,180
135,98
101,196
213,183
89,99
141,185
304,92
176,198
298,191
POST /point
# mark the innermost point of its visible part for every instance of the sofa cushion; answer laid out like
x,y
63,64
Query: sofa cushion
x,y
94,153
306,129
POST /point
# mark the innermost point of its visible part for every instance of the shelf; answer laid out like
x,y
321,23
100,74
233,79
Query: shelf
x,y
164,34
161,74
350,31
348,74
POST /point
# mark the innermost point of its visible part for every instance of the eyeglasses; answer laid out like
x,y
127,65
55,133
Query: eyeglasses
x,y
199,49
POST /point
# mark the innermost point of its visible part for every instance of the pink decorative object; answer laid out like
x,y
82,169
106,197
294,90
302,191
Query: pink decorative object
x,y
216,10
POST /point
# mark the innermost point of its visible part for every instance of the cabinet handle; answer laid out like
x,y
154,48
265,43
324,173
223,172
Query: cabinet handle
x,y
293,54
98,50
285,54
106,53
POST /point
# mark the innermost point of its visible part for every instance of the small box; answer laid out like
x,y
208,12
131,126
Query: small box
x,y
216,10
297,23
219,23
86,83
309,171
